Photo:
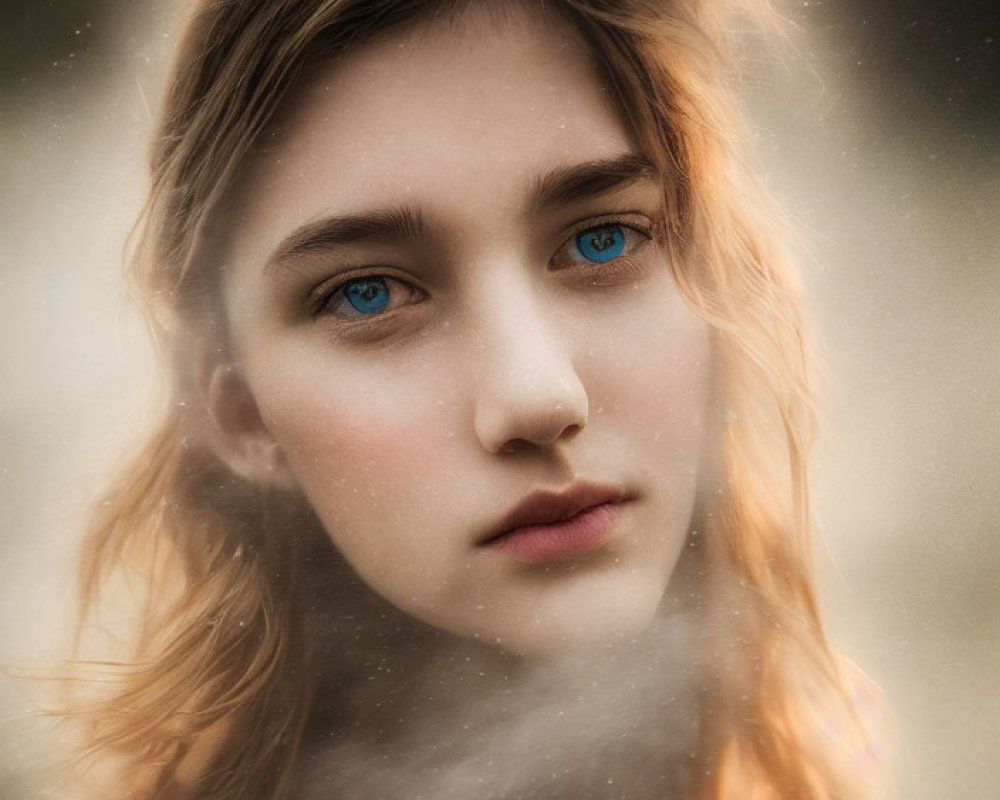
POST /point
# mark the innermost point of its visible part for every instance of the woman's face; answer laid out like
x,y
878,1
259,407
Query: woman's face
x,y
448,302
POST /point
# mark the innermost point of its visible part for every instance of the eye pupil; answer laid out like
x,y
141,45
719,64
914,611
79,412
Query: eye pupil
x,y
601,244
367,295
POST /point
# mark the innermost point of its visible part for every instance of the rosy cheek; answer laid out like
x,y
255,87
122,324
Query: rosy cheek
x,y
384,452
358,445
374,479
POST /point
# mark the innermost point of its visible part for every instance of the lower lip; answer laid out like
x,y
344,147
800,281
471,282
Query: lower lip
x,y
587,531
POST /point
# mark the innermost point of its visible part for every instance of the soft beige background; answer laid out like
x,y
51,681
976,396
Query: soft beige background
x,y
901,260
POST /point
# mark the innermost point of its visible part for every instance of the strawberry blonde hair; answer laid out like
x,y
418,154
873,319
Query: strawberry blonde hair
x,y
225,625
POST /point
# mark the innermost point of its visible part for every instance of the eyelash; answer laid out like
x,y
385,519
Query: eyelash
x,y
393,293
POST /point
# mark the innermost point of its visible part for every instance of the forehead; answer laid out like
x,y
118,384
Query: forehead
x,y
468,111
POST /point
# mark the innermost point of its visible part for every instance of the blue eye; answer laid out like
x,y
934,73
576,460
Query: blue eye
x,y
601,244
367,295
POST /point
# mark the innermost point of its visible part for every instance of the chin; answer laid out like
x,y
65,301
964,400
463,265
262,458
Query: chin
x,y
597,620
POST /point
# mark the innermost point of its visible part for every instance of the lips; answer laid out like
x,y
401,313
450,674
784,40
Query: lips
x,y
548,525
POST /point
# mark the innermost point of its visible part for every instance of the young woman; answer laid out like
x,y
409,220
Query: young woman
x,y
483,471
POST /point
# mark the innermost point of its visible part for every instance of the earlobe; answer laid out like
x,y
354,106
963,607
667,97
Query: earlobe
x,y
239,436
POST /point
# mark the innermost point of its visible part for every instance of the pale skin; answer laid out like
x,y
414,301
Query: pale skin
x,y
503,362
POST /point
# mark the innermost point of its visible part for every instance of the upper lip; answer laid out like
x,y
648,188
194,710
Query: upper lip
x,y
545,507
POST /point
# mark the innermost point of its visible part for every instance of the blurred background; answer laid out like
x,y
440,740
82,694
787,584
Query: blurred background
x,y
880,135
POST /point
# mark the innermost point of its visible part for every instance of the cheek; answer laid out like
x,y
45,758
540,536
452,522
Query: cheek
x,y
375,467
661,377
374,449
367,466
339,436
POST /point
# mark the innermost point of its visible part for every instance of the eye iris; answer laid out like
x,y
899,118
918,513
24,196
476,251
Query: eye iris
x,y
601,244
367,295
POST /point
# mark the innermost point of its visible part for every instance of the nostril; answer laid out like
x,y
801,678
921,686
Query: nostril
x,y
570,431
513,446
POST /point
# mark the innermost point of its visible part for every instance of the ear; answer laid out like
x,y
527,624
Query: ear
x,y
238,434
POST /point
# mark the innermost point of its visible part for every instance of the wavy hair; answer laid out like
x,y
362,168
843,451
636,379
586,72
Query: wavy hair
x,y
224,608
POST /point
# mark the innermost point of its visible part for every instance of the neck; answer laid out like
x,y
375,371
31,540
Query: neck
x,y
419,713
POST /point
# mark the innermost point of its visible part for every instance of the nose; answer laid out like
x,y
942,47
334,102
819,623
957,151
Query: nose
x,y
528,393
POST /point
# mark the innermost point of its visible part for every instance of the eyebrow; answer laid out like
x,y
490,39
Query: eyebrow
x,y
388,225
591,179
406,224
